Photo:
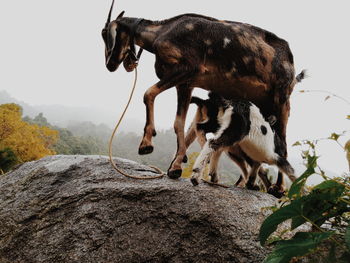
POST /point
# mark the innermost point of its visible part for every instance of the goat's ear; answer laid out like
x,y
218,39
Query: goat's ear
x,y
121,14
272,120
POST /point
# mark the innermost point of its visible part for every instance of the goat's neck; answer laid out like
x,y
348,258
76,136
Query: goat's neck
x,y
143,31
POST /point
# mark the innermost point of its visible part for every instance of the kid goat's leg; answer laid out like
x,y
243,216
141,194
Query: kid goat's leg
x,y
201,162
236,156
252,176
192,133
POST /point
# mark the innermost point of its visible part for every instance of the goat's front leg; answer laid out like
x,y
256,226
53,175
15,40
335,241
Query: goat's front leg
x,y
201,162
183,101
146,146
165,83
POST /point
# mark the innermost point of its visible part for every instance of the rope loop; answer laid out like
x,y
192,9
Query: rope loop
x,y
159,171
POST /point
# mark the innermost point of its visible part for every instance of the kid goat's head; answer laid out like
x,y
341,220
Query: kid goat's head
x,y
117,41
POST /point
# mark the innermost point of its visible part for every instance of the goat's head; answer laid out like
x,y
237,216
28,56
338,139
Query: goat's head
x,y
116,41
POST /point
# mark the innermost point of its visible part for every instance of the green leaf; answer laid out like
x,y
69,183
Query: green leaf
x,y
331,186
296,143
301,244
334,136
271,222
299,183
312,161
331,255
344,258
347,237
322,203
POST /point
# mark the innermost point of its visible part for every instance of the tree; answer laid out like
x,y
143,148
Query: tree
x,y
7,159
27,141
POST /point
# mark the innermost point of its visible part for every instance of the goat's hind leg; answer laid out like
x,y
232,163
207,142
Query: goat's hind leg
x,y
193,134
184,96
237,156
252,177
277,189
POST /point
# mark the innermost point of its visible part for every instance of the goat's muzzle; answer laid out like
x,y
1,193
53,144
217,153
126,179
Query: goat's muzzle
x,y
112,65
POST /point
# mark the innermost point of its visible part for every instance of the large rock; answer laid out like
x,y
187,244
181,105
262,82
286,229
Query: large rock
x,y
78,209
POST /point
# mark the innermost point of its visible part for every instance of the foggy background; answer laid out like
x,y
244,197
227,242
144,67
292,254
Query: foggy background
x,y
52,53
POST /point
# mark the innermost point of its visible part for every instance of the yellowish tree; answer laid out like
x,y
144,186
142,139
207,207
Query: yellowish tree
x,y
28,141
187,171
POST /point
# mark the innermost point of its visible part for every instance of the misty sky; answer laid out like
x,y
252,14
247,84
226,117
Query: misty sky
x,y
52,53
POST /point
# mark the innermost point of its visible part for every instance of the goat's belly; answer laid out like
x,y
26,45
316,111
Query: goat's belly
x,y
259,147
257,152
248,88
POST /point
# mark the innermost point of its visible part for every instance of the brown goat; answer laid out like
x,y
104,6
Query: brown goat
x,y
236,60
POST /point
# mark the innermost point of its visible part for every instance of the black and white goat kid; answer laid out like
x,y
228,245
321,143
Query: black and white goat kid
x,y
240,122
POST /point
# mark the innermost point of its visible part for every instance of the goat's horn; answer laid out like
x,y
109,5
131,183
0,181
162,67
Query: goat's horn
x,y
110,13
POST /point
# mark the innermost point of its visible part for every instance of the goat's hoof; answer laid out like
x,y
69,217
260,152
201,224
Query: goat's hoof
x,y
194,181
253,187
145,150
174,174
214,178
185,159
276,191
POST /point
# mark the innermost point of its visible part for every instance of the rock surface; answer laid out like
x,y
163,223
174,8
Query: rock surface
x,y
78,209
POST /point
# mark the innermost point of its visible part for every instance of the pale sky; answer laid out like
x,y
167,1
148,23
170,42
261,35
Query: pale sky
x,y
52,53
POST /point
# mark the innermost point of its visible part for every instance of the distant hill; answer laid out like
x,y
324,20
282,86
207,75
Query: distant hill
x,y
98,124
64,116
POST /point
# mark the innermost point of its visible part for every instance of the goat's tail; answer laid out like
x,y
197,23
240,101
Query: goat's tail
x,y
286,168
198,101
302,75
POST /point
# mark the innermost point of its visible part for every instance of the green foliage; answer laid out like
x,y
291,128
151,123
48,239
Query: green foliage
x,y
347,237
328,201
299,184
301,244
85,143
7,159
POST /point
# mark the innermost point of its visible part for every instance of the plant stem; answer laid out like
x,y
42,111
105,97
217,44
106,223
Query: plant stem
x,y
320,229
329,93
